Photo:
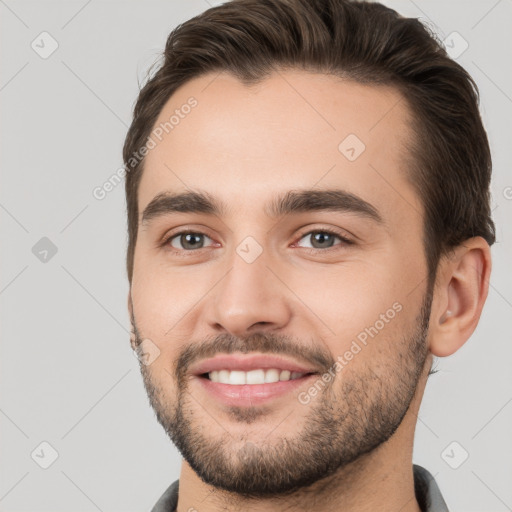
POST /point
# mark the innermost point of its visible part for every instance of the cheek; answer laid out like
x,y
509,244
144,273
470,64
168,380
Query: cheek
x,y
160,296
359,302
348,296
169,301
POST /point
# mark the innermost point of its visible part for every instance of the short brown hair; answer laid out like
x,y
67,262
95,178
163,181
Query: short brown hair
x,y
449,155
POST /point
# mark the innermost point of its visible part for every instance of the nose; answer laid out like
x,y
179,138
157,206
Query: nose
x,y
249,298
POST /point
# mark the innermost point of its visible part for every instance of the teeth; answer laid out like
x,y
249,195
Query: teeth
x,y
260,376
255,377
272,376
236,377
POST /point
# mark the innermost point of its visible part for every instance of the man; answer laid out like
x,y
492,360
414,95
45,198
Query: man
x,y
309,226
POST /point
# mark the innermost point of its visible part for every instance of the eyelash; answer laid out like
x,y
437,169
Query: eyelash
x,y
311,250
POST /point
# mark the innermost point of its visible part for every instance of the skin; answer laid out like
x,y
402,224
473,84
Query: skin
x,y
244,145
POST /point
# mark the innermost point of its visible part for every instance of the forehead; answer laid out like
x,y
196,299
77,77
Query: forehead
x,y
292,130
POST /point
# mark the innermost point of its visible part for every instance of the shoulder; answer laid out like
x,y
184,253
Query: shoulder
x,y
427,491
169,499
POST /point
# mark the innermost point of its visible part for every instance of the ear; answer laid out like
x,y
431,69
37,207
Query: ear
x,y
461,288
130,314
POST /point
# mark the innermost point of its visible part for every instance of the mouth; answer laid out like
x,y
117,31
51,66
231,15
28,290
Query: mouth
x,y
230,389
251,380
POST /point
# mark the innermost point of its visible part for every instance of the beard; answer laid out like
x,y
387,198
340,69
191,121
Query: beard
x,y
355,413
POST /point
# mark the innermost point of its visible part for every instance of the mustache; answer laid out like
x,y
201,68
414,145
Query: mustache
x,y
260,342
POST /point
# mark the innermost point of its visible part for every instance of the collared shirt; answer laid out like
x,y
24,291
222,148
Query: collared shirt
x,y
427,492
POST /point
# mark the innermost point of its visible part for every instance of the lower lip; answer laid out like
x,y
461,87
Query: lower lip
x,y
251,394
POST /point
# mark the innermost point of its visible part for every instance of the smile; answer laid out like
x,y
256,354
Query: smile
x,y
258,376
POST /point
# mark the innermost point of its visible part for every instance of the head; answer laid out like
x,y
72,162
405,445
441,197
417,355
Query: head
x,y
268,123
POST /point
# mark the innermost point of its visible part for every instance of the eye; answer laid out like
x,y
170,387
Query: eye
x,y
322,239
187,240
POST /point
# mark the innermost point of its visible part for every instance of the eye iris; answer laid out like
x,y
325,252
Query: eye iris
x,y
191,240
322,239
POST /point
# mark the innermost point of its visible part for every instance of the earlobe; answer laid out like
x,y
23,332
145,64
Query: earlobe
x,y
461,289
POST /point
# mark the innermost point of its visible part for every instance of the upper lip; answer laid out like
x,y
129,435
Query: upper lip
x,y
247,363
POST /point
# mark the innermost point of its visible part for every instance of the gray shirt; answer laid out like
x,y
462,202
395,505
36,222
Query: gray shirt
x,y
427,492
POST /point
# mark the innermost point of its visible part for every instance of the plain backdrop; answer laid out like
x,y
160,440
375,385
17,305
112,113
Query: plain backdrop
x,y
68,377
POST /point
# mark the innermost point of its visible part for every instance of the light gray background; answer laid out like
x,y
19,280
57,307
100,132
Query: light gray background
x,y
68,376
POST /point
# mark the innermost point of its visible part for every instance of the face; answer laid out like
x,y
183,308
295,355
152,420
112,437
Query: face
x,y
292,243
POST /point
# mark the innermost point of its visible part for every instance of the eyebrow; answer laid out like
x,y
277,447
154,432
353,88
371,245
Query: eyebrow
x,y
293,201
